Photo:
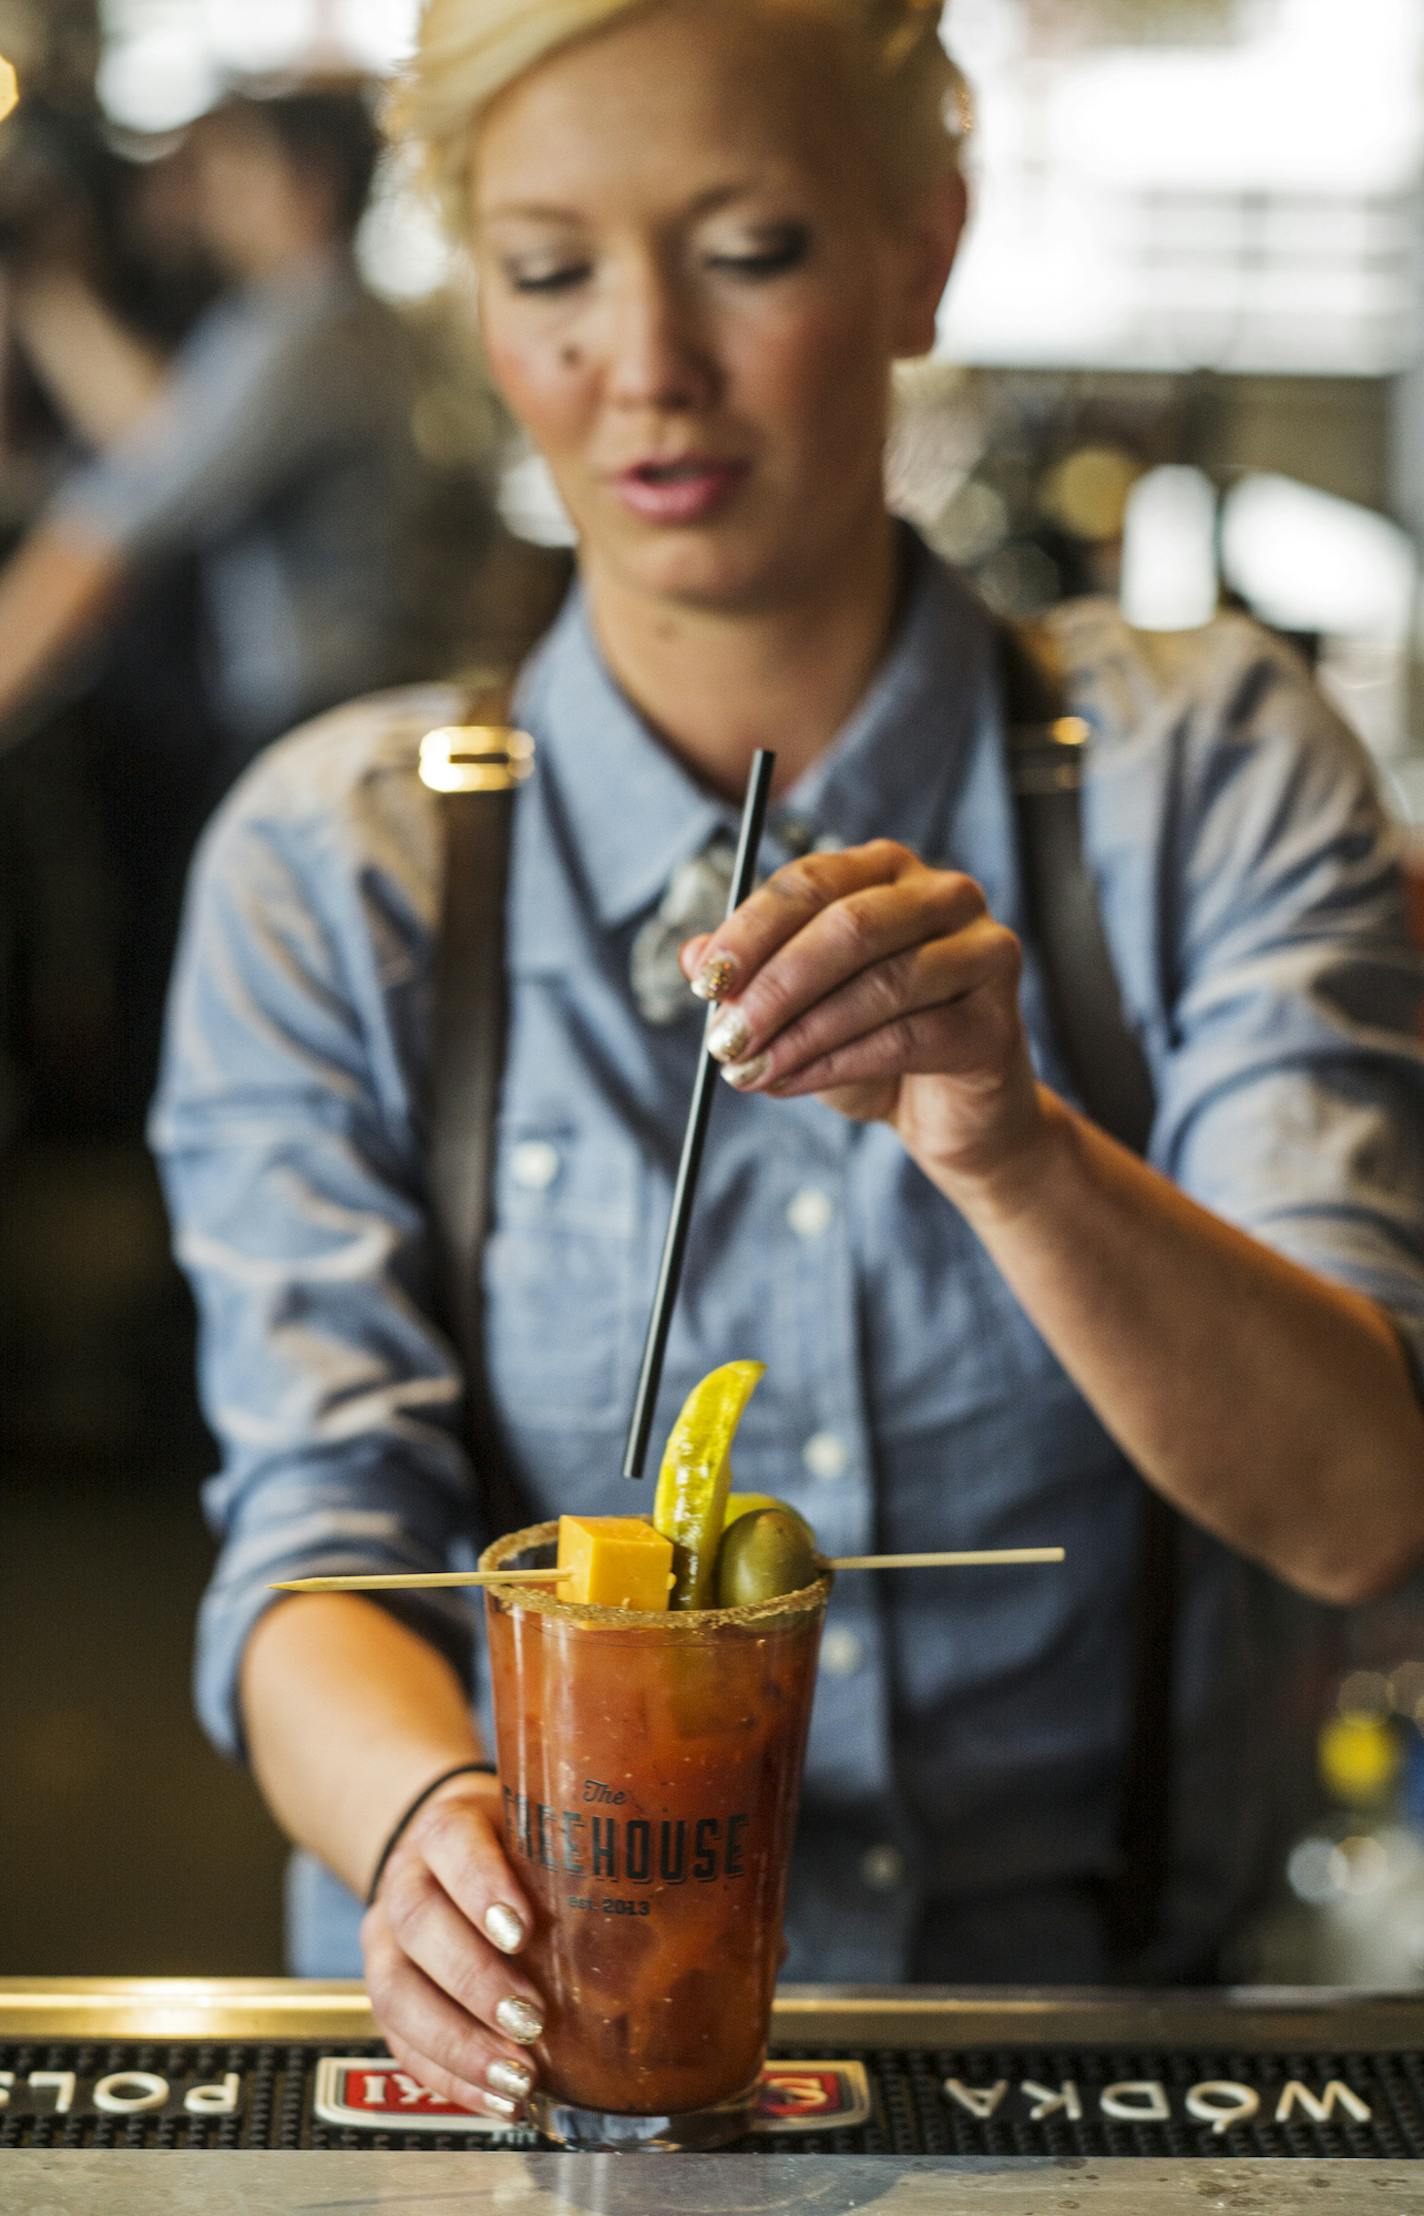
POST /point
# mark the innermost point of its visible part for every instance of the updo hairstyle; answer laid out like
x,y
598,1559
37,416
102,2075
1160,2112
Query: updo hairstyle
x,y
470,51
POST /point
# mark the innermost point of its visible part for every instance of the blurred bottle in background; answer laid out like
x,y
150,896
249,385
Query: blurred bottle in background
x,y
1350,1907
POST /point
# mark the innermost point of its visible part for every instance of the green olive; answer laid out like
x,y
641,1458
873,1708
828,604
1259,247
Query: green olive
x,y
762,1556
747,1504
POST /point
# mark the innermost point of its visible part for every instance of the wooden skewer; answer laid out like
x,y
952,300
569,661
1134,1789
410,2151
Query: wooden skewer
x,y
972,1561
422,1582
412,1581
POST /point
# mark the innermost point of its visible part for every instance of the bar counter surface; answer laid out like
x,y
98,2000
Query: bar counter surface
x,y
272,2098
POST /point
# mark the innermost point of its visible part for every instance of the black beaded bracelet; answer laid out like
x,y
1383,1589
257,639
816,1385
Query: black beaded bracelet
x,y
460,1769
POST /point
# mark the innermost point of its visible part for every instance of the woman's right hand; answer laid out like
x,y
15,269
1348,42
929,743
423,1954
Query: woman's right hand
x,y
449,1913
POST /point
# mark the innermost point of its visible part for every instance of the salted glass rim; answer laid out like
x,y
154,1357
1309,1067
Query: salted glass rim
x,y
674,1623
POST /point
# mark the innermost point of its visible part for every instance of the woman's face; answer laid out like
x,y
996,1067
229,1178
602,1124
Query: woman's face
x,y
691,295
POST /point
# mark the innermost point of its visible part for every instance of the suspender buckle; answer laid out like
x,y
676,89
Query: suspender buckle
x,y
1048,757
475,758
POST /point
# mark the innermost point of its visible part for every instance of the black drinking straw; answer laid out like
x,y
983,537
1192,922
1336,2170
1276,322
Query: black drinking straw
x,y
699,1108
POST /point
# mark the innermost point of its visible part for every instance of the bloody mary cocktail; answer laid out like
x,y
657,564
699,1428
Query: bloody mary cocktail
x,y
651,1765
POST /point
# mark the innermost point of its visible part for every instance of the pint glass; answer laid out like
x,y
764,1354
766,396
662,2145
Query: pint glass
x,y
650,1767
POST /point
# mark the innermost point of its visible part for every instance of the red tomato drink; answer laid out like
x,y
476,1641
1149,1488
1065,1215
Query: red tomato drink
x,y
651,1767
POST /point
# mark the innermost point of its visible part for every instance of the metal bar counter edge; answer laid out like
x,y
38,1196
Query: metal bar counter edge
x,y
1113,2100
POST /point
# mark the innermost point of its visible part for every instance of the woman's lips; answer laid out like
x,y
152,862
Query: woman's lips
x,y
681,492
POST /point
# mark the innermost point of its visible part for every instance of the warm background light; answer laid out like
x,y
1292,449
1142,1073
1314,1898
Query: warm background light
x,y
9,88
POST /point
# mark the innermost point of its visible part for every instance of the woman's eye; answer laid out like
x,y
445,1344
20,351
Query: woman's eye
x,y
540,277
767,261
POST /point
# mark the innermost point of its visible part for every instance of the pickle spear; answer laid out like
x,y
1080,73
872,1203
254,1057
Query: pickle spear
x,y
696,1476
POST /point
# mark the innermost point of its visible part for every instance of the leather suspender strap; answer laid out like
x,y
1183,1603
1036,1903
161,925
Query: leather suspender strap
x,y
1047,747
476,767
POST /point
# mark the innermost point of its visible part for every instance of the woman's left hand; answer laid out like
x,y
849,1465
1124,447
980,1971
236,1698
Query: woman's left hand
x,y
887,989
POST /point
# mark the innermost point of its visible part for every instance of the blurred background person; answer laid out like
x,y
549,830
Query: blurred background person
x,y
280,444
86,226
252,529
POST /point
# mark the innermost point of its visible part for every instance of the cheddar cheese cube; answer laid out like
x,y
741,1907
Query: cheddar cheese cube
x,y
614,1562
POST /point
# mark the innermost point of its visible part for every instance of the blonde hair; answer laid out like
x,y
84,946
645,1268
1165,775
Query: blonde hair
x,y
470,51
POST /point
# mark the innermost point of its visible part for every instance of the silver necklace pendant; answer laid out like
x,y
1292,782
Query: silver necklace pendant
x,y
695,901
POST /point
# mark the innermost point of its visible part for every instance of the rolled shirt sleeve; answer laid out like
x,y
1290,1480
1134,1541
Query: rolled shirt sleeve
x,y
1289,998
299,1217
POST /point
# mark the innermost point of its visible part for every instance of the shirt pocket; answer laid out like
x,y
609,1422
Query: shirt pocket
x,y
561,1276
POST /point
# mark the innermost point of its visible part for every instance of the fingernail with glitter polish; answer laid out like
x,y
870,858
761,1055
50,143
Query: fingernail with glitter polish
x,y
729,1037
513,2079
499,2106
714,980
742,1074
518,2019
504,1928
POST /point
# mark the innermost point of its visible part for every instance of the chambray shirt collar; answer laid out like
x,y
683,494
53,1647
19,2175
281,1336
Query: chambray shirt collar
x,y
638,813
633,811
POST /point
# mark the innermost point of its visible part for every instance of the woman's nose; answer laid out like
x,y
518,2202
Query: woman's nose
x,y
657,354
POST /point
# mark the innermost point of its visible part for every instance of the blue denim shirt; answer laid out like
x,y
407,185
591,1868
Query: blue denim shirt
x,y
960,1793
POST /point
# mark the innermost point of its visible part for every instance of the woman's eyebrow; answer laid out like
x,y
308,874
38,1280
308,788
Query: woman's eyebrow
x,y
536,211
703,203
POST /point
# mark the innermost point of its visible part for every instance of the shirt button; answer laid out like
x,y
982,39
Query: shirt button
x,y
809,1212
841,1652
882,1869
796,835
534,1165
826,1456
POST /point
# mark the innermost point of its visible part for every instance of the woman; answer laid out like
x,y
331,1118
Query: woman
x,y
703,232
